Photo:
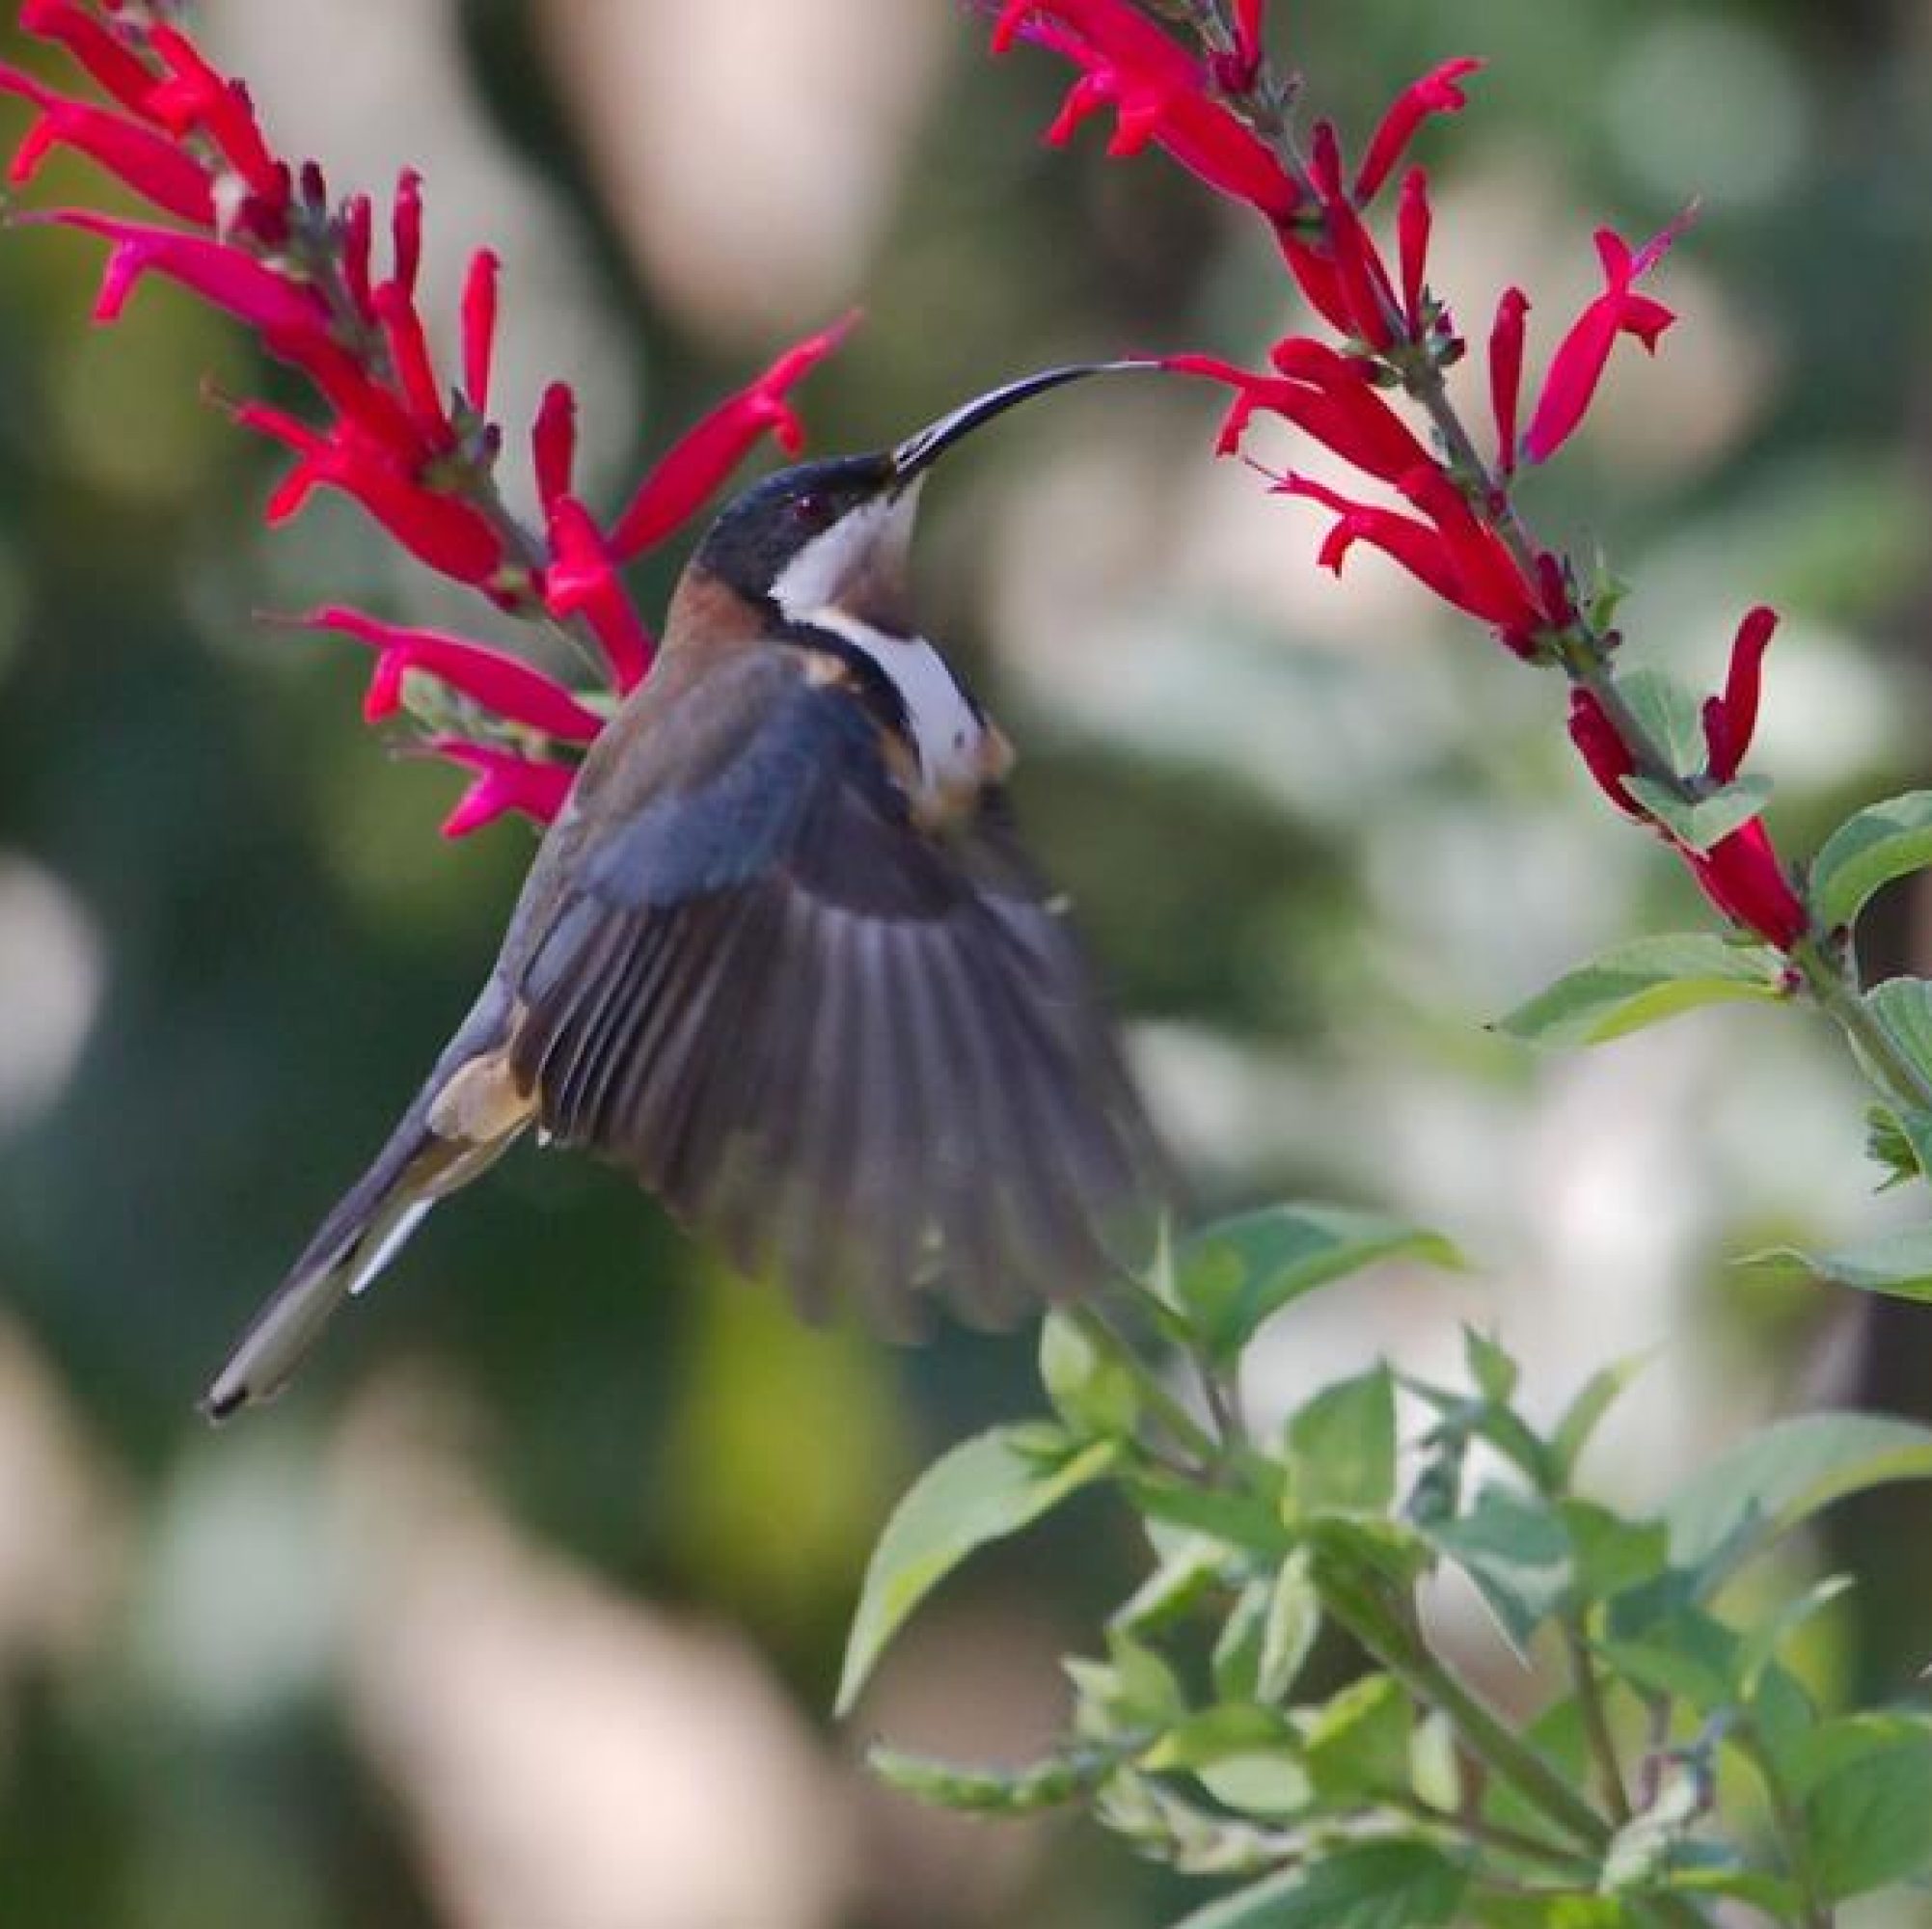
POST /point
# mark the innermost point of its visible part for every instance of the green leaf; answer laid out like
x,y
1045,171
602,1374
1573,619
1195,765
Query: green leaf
x,y
1090,1391
1903,1009
1644,1850
990,1791
1765,1485
1672,715
1867,850
1341,1446
1235,1665
1235,1276
1234,1519
1761,1644
981,1491
1492,1372
1711,818
1187,1571
1517,1553
1394,1884
1293,1621
1898,1265
1586,1413
1641,983
1214,1734
1610,1555
1870,1817
1356,1746
1900,1140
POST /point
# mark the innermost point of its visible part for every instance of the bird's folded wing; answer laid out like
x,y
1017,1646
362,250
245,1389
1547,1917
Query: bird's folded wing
x,y
861,1058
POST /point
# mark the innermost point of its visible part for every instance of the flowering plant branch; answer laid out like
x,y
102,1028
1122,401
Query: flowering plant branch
x,y
260,238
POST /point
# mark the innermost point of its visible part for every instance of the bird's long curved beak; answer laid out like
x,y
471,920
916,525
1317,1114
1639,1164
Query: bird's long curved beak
x,y
920,451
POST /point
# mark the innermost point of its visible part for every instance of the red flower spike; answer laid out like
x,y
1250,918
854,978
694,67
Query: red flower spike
x,y
405,229
1492,586
1603,749
583,581
504,684
1417,547
704,456
1159,92
505,782
1742,877
1730,721
1413,223
480,328
1436,93
1506,373
554,444
88,42
1581,358
148,162
409,355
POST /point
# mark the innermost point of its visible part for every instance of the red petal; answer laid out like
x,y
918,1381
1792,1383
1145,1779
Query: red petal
x,y
113,66
405,227
1412,231
583,581
504,683
698,462
1436,93
480,328
505,782
1741,875
1493,587
1730,721
1603,750
200,95
358,246
1506,373
409,357
148,162
554,444
1416,546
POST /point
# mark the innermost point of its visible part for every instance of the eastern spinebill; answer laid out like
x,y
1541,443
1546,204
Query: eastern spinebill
x,y
782,957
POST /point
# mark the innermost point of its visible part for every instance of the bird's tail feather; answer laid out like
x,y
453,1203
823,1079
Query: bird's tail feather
x,y
366,1229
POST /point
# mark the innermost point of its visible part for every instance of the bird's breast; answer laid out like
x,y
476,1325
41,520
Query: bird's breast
x,y
957,750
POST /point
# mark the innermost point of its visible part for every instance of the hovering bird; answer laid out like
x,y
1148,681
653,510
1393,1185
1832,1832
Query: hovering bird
x,y
783,958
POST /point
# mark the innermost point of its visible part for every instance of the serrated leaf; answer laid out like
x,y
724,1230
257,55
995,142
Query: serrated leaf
x,y
1898,1265
1761,1488
1587,1411
1710,818
1867,850
1672,715
1341,1446
1515,1550
1641,983
1395,1885
1234,1276
981,1491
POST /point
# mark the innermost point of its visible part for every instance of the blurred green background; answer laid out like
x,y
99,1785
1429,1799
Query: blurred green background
x,y
523,1609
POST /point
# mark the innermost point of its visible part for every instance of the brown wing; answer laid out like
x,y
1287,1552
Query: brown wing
x,y
856,1056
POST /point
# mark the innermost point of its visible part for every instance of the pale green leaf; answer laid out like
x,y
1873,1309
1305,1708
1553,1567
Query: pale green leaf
x,y
1641,984
981,1491
1898,1265
1867,850
1709,820
1341,1446
1393,1885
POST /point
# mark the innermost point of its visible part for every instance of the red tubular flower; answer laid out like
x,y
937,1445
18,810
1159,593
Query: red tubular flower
x,y
1741,876
1238,73
1360,276
504,684
1506,373
1417,546
1493,587
356,226
583,581
147,161
1160,93
405,229
505,782
554,444
1413,223
195,95
1605,753
686,478
409,355
1581,358
1730,721
108,63
1436,93
1335,402
480,328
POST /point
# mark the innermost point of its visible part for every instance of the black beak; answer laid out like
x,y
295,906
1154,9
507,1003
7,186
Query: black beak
x,y
918,452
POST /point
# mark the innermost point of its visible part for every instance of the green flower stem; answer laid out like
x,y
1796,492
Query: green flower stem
x,y
1834,989
1793,1835
1595,1720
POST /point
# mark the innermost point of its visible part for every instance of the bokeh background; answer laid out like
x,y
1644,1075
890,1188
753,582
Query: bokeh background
x,y
522,1612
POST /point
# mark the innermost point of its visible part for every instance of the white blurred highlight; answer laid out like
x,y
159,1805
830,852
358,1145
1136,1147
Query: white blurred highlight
x,y
749,152
563,1756
52,974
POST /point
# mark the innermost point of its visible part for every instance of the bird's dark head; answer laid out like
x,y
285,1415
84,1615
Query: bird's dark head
x,y
838,535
